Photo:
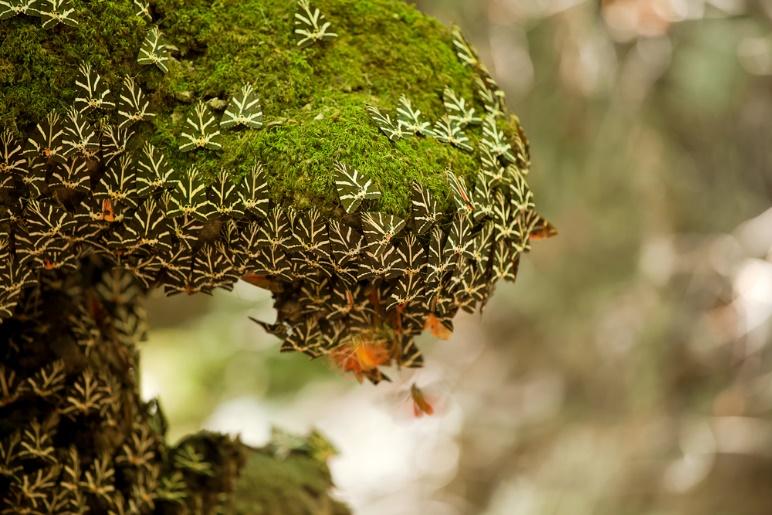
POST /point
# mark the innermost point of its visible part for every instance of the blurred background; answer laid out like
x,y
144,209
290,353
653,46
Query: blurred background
x,y
629,369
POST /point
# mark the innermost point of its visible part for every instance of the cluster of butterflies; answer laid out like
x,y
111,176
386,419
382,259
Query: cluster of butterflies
x,y
350,283
51,12
45,468
382,279
310,28
74,180
357,289
460,116
54,12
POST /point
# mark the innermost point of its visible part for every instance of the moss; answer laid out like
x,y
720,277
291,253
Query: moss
x,y
314,99
42,65
297,484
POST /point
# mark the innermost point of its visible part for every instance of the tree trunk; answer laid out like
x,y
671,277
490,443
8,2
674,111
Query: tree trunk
x,y
76,437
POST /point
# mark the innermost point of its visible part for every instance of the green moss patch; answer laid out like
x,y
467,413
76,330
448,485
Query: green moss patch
x,y
314,98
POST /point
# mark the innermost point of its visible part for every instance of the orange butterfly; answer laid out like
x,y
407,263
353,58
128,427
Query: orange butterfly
x,y
361,356
438,329
542,229
421,405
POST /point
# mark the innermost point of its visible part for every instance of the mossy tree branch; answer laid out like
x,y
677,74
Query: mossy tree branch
x,y
371,180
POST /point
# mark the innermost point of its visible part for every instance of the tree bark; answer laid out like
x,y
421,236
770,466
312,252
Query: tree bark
x,y
76,437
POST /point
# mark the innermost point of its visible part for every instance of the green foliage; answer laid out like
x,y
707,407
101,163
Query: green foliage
x,y
289,476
